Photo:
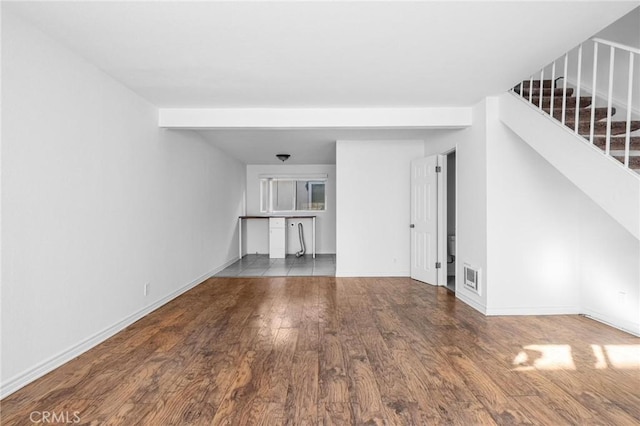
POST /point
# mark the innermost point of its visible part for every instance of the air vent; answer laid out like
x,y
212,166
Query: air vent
x,y
472,278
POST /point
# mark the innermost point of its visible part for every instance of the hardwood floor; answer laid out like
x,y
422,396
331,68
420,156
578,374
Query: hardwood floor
x,y
321,350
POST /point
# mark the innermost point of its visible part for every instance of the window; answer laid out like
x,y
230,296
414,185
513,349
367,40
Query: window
x,y
291,195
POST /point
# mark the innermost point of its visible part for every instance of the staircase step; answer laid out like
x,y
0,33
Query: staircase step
x,y
545,92
585,114
557,102
634,161
616,143
536,84
600,127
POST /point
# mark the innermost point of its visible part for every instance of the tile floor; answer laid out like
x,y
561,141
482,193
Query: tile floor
x,y
260,265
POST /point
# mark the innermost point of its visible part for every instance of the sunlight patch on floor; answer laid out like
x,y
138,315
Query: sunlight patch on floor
x,y
623,356
544,357
560,357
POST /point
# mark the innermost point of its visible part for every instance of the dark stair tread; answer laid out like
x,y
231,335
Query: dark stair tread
x,y
585,114
545,92
634,161
600,127
616,143
557,102
536,84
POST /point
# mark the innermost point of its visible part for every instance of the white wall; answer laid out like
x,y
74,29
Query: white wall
x,y
544,246
625,30
97,201
551,248
614,188
373,207
532,237
256,236
609,268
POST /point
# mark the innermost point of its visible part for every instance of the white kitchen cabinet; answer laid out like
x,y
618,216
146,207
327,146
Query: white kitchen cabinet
x,y
277,238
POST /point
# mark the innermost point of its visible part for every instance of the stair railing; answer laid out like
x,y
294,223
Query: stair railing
x,y
575,74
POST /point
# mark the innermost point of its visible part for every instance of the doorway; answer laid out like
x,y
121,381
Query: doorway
x,y
450,197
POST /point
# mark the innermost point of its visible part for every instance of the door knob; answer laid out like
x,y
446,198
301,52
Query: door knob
x,y
412,226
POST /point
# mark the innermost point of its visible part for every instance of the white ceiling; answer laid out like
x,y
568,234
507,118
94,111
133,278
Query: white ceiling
x,y
317,54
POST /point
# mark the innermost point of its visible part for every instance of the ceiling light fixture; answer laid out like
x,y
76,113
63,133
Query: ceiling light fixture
x,y
283,157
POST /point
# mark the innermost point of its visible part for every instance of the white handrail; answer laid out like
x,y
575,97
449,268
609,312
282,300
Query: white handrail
x,y
617,45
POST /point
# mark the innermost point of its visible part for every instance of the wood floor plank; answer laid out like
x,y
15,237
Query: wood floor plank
x,y
608,396
538,411
261,412
389,377
240,393
502,408
369,401
428,399
343,351
335,414
277,372
302,396
334,384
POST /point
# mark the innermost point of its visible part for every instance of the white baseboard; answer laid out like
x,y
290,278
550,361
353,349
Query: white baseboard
x,y
20,380
225,265
537,310
626,326
475,305
352,274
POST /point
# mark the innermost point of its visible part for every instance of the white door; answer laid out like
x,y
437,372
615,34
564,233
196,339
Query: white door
x,y
424,219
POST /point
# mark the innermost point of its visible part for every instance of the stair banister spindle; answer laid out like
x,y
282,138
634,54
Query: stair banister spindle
x,y
521,89
578,84
593,91
627,139
541,89
610,100
553,87
531,88
564,86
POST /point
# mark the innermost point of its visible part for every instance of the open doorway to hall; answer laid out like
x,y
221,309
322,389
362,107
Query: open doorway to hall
x,y
450,200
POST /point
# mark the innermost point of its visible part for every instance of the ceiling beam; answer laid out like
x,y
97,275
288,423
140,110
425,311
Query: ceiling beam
x,y
292,118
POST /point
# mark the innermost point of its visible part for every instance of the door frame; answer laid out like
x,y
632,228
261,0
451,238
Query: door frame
x,y
441,242
442,218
